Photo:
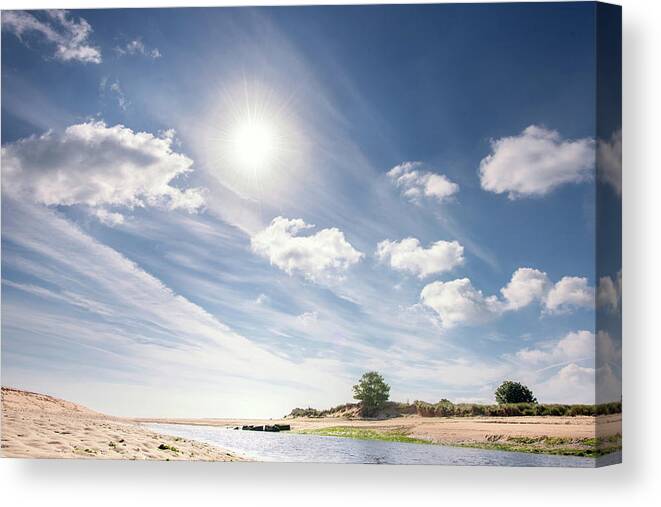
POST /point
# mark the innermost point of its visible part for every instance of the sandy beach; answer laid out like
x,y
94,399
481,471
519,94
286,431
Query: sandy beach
x,y
40,426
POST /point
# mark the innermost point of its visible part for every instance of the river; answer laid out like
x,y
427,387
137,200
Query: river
x,y
293,447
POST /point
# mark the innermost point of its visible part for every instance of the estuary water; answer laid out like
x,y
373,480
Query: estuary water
x,y
292,447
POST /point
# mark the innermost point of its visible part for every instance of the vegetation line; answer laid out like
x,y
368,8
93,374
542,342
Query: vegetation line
x,y
513,399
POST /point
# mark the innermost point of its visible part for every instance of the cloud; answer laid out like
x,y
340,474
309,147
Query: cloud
x,y
407,255
607,351
586,368
573,347
113,321
137,47
609,292
526,286
571,384
108,218
609,161
321,257
97,166
308,319
608,384
535,162
570,292
115,90
69,36
458,302
263,299
416,184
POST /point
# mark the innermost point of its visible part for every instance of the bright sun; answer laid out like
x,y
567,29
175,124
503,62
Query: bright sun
x,y
254,140
254,143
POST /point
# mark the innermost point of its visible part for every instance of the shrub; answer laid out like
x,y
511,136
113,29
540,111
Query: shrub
x,y
372,392
304,412
514,392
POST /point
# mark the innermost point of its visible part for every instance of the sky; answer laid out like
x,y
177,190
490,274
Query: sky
x,y
232,212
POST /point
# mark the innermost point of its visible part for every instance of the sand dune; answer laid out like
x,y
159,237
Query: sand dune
x,y
40,426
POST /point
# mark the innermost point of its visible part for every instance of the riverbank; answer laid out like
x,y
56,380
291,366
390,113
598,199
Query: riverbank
x,y
591,447
39,426
590,436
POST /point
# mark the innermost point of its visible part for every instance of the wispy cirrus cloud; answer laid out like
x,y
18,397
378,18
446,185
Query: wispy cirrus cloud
x,y
70,36
133,326
114,90
137,47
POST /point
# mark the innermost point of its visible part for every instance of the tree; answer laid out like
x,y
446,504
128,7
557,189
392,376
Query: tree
x,y
514,392
372,392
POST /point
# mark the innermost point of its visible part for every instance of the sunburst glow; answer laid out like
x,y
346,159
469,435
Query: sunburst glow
x,y
254,143
253,139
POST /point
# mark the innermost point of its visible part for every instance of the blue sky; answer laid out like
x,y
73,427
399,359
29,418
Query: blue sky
x,y
232,212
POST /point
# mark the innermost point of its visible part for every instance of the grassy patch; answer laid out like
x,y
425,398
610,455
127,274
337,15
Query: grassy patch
x,y
585,447
366,434
166,447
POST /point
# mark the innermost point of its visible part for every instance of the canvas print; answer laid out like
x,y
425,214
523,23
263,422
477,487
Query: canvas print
x,y
329,234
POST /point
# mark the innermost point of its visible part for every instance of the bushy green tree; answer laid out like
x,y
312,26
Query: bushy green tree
x,y
514,392
372,392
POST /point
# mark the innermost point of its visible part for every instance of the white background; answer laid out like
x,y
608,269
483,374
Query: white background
x,y
636,482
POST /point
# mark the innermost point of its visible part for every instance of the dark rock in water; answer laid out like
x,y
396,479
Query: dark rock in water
x,y
250,427
266,427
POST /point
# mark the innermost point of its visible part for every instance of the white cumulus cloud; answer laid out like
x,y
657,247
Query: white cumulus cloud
x,y
571,384
536,162
320,257
415,183
570,292
409,256
609,292
69,36
526,286
98,166
573,347
458,302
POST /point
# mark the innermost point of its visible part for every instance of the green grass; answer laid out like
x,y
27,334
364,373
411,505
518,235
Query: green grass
x,y
365,434
166,447
585,447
